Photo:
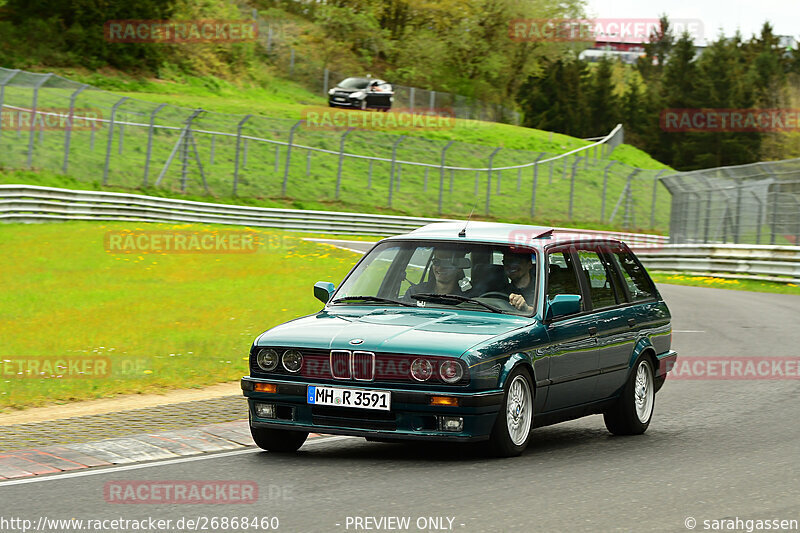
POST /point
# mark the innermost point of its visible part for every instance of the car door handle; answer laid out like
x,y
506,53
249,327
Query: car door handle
x,y
631,322
592,331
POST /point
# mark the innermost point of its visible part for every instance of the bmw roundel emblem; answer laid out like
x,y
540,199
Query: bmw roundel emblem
x,y
356,341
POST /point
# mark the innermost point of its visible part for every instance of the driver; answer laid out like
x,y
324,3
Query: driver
x,y
519,269
447,268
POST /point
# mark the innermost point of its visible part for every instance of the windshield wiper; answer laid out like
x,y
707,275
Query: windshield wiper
x,y
371,299
444,298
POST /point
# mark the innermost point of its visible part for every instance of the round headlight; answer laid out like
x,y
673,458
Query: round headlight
x,y
267,359
332,91
421,369
451,371
292,360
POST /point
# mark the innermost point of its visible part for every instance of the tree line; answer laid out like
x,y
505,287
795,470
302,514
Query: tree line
x,y
568,95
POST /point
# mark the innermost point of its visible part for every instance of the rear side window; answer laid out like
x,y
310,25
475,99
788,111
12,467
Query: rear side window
x,y
636,279
600,281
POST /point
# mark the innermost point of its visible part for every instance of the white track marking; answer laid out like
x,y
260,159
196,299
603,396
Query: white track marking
x,y
124,468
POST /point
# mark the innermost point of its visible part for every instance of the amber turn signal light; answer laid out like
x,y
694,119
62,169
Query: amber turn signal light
x,y
444,400
265,387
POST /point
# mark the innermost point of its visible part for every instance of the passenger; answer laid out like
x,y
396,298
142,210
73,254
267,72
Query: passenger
x,y
519,269
447,268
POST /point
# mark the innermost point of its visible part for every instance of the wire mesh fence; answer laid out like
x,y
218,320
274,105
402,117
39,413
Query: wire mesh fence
x,y
757,203
49,122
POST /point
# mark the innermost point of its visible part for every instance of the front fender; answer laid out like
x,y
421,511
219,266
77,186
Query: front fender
x,y
520,358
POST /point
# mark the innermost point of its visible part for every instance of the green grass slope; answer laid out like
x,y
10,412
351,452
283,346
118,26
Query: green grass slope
x,y
312,176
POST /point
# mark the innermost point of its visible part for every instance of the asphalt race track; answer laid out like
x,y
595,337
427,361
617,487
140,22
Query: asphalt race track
x,y
716,449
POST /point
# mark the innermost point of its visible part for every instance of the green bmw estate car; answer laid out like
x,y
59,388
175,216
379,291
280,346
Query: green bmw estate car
x,y
467,332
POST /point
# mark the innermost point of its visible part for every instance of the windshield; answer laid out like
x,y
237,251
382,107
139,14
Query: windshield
x,y
354,83
482,277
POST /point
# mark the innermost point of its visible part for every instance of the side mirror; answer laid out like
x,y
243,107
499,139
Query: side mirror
x,y
562,305
323,290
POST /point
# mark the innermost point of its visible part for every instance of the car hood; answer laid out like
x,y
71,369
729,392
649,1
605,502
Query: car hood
x,y
432,332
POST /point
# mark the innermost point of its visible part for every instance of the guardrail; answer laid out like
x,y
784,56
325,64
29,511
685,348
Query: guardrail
x,y
32,203
756,262
36,204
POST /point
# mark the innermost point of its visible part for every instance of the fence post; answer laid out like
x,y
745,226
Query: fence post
x,y
68,132
550,178
341,160
394,159
111,137
308,162
277,157
238,144
773,218
572,184
433,101
629,214
185,148
477,175
653,202
289,157
3,93
211,155
369,176
33,117
605,187
425,183
519,178
758,218
452,176
535,182
150,141
441,175
489,180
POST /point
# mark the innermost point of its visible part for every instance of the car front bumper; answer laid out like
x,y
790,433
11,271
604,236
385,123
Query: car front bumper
x,y
411,416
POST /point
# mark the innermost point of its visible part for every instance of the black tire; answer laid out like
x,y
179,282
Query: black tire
x,y
632,412
278,440
501,442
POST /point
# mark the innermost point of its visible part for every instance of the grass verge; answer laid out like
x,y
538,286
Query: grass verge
x,y
162,321
725,283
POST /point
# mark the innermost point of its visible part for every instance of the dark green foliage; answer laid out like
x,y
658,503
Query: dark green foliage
x,y
69,33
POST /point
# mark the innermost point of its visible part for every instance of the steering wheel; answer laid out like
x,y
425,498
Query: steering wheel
x,y
494,294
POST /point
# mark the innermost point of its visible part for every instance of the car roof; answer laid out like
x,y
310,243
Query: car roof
x,y
501,233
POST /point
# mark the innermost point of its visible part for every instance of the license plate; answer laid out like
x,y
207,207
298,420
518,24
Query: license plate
x,y
359,398
339,99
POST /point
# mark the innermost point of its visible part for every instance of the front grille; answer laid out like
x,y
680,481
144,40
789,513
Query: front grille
x,y
353,418
363,366
340,364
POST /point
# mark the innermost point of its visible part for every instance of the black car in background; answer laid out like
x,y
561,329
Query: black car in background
x,y
362,93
